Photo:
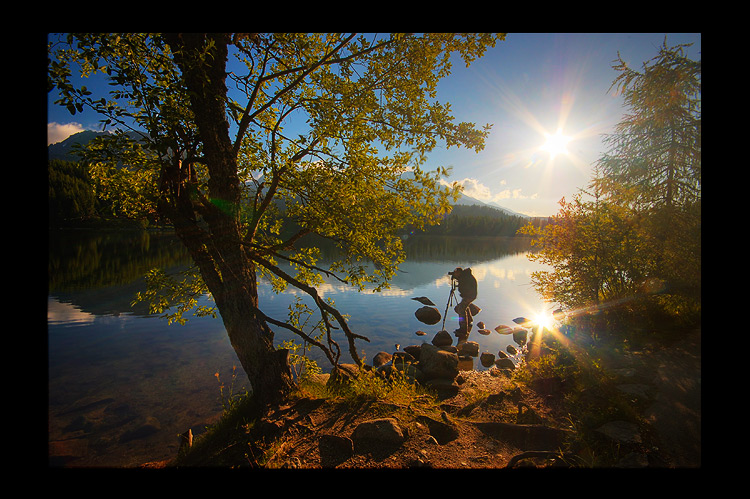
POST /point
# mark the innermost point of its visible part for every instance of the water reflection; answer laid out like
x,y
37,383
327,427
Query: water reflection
x,y
115,371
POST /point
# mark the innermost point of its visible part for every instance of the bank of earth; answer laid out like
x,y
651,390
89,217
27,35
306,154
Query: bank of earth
x,y
643,413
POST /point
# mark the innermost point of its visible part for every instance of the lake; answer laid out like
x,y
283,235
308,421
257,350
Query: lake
x,y
123,384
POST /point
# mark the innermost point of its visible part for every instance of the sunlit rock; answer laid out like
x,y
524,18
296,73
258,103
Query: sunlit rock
x,y
428,315
442,339
470,348
437,363
487,359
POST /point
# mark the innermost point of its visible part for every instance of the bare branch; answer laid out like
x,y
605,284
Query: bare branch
x,y
319,302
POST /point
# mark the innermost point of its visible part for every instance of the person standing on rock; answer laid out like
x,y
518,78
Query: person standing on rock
x,y
467,289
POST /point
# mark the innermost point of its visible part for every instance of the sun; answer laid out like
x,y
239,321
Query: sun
x,y
556,144
544,320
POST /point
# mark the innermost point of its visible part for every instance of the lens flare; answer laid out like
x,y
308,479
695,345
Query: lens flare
x,y
544,320
556,144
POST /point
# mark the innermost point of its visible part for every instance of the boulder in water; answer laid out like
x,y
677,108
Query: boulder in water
x,y
442,339
428,315
503,329
487,359
437,363
424,300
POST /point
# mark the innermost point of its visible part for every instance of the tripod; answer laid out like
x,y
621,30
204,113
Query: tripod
x,y
451,299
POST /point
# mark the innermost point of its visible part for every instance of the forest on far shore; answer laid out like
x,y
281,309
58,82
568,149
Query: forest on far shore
x,y
73,203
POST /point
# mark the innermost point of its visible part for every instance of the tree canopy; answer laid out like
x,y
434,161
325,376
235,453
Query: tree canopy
x,y
236,130
631,242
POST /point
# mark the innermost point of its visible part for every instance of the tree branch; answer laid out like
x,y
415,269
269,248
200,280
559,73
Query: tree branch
x,y
321,304
248,116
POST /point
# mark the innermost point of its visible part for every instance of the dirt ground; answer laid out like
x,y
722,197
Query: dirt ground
x,y
472,447
671,437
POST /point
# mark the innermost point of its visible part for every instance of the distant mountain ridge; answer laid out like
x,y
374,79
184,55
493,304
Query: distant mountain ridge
x,y
61,150
470,201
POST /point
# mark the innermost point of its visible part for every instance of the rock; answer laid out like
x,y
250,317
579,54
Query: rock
x,y
470,348
413,350
487,359
381,358
505,363
319,378
621,431
342,373
503,329
442,339
385,370
424,300
465,363
474,309
511,349
412,372
502,355
480,325
484,332
436,363
443,431
420,333
402,357
520,335
428,315
378,431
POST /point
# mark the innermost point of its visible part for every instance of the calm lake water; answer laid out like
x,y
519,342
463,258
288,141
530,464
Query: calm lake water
x,y
124,384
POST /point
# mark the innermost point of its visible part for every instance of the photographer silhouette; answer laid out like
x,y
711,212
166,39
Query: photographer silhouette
x,y
467,289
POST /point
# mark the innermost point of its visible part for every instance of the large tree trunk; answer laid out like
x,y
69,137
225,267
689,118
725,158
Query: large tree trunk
x,y
231,278
267,368
215,242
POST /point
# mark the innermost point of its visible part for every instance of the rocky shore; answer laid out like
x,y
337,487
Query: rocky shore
x,y
485,420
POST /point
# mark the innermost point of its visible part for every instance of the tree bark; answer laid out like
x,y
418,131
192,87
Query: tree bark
x,y
215,243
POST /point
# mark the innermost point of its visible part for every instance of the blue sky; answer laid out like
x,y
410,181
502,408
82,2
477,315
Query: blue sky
x,y
526,86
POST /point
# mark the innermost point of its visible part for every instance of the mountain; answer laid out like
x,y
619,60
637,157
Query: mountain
x,y
61,150
470,201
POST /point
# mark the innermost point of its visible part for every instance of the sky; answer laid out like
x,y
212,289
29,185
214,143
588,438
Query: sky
x,y
528,86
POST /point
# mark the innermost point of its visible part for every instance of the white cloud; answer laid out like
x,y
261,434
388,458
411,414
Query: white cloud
x,y
477,190
57,132
513,194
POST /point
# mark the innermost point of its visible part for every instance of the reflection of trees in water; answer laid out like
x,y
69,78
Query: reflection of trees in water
x,y
429,258
100,271
445,248
469,249
80,260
